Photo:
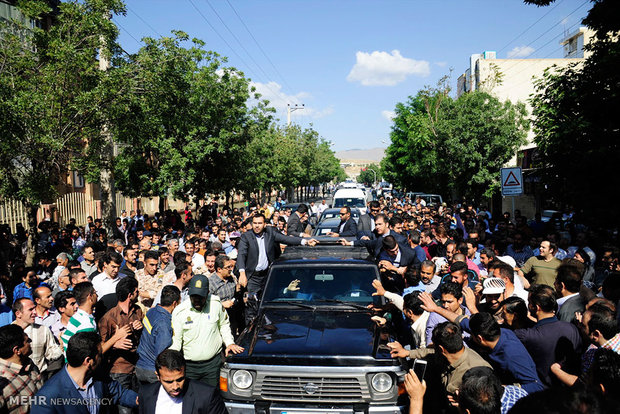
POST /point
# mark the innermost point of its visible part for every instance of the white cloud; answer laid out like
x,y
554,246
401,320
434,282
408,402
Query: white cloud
x,y
385,69
278,99
441,64
389,115
521,51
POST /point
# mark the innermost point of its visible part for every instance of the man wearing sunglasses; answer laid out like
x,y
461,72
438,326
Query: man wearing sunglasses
x,y
347,226
367,221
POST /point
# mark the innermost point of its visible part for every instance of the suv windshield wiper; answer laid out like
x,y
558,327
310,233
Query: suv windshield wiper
x,y
291,302
343,302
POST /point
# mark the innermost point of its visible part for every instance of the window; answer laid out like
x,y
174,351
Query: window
x,y
78,180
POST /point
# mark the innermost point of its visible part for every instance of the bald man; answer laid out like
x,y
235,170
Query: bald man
x,y
46,315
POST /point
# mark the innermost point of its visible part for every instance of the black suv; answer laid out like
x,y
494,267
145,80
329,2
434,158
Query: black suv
x,y
313,347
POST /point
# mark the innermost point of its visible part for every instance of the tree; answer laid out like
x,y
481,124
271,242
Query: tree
x,y
51,98
182,128
576,121
367,176
458,146
287,157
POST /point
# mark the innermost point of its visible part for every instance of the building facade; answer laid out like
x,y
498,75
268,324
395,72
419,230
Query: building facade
x,y
514,80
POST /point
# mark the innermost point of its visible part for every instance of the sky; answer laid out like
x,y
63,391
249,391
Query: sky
x,y
349,62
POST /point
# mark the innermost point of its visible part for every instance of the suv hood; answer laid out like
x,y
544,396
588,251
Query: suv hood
x,y
320,333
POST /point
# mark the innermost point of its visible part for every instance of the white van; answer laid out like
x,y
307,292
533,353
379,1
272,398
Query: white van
x,y
352,197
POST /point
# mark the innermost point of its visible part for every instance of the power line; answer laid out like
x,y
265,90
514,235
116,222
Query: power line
x,y
145,22
126,31
544,57
238,41
530,26
548,30
231,48
261,49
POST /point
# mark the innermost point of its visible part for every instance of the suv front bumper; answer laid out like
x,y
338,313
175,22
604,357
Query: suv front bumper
x,y
279,408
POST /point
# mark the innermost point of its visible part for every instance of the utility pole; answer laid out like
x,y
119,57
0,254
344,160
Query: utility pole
x,y
292,109
108,192
375,173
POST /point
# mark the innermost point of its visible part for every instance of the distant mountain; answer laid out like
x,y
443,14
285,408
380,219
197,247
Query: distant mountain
x,y
373,154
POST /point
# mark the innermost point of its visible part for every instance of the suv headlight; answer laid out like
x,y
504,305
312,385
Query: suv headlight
x,y
242,379
381,382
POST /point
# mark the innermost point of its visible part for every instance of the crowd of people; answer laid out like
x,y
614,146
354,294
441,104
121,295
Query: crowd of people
x,y
510,314
504,310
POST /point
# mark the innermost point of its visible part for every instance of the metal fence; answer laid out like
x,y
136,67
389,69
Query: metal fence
x,y
75,205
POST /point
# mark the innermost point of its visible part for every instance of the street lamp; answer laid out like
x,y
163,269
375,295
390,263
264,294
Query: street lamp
x,y
375,173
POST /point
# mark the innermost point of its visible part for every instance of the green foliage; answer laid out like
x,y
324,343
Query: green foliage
x,y
284,157
576,121
184,123
446,146
179,117
51,94
367,176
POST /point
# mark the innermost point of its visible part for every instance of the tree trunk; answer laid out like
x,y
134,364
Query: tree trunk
x,y
108,201
108,192
162,204
33,235
227,198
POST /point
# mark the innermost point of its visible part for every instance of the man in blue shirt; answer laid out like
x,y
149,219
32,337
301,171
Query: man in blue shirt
x,y
27,287
6,315
550,340
157,334
74,387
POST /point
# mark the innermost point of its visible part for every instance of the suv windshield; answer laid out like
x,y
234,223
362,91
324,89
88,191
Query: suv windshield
x,y
315,284
351,202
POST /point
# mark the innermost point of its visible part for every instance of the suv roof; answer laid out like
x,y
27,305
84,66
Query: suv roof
x,y
325,252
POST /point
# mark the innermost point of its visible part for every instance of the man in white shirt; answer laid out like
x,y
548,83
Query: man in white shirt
x,y
106,281
174,393
196,258
45,349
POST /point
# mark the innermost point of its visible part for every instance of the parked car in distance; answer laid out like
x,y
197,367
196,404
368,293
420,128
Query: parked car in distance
x,y
431,198
335,212
326,226
352,198
546,215
293,206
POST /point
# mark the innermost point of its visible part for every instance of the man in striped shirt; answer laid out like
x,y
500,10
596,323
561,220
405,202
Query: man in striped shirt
x,y
20,378
84,321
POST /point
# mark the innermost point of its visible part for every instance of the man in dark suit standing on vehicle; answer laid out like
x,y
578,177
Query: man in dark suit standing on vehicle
x,y
297,222
174,390
257,250
366,225
347,227
375,244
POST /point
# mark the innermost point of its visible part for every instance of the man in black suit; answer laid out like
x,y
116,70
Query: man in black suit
x,y
367,221
173,389
297,222
257,250
567,285
347,227
375,244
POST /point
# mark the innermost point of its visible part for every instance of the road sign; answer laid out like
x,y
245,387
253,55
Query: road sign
x,y
512,181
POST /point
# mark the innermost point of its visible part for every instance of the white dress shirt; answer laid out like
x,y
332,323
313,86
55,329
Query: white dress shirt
x,y
168,405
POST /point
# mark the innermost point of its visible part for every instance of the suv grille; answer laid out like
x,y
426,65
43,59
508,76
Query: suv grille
x,y
318,389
